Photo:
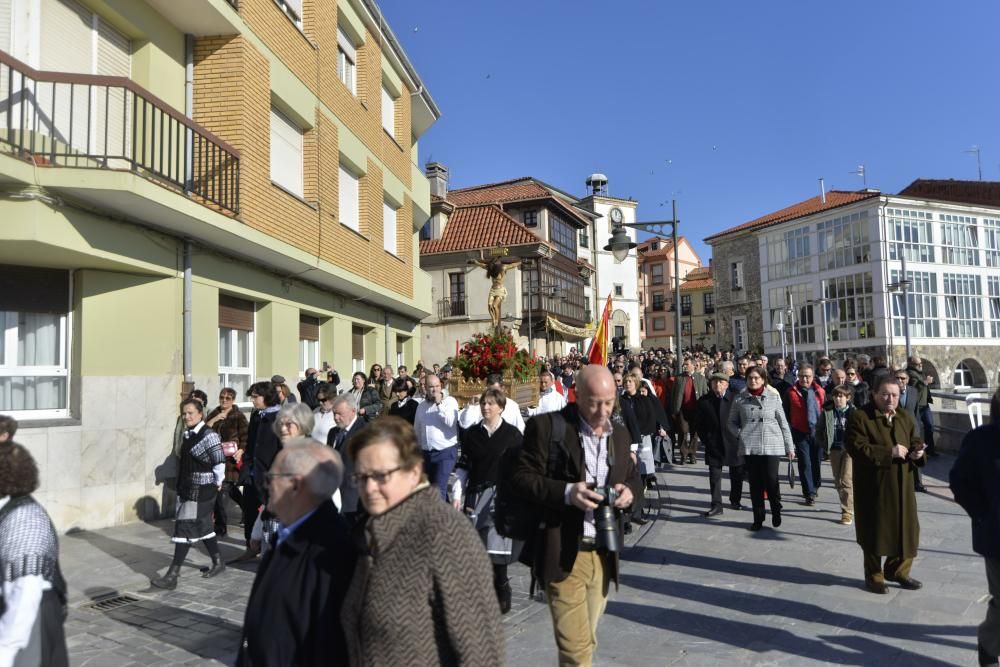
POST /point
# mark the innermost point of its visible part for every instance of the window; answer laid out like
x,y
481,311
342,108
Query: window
x,y
561,235
656,274
286,153
994,286
843,241
236,343
308,343
619,332
531,218
659,323
584,239
350,199
456,294
686,305
655,245
788,253
389,227
921,304
401,351
963,306
910,234
710,327
358,350
425,231
963,376
641,325
991,230
708,299
736,275
686,327
573,304
388,112
619,290
34,316
658,301
293,8
804,314
850,314
959,240
347,57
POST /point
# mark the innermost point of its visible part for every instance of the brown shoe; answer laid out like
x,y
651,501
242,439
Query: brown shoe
x,y
877,587
846,519
909,583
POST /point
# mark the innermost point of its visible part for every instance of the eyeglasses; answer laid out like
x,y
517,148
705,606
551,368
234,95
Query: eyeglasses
x,y
272,475
287,424
323,399
903,378
380,476
225,398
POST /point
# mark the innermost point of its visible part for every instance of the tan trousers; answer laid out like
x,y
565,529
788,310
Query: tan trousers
x,y
576,605
895,567
843,479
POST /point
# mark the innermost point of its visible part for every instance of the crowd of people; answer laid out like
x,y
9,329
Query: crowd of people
x,y
375,509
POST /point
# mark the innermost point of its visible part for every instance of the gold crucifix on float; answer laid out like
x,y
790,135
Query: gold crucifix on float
x,y
496,268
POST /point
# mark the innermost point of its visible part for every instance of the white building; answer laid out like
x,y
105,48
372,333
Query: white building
x,y
846,259
618,279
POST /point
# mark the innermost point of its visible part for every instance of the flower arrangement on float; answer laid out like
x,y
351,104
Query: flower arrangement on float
x,y
488,353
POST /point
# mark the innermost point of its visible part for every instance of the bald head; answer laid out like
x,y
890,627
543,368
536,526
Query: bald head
x,y
595,395
318,465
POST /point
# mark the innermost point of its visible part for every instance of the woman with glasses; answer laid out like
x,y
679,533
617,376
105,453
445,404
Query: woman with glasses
x,y
757,421
858,386
364,397
477,472
200,474
374,375
323,414
420,593
231,424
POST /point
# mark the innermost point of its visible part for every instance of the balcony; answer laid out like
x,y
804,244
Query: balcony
x,y
84,121
685,311
709,310
452,308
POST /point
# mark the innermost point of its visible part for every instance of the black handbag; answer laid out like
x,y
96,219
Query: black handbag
x,y
791,474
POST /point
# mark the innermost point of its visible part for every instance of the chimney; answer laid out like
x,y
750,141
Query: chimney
x,y
437,174
822,190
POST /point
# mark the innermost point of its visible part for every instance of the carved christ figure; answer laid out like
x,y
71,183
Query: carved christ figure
x,y
496,270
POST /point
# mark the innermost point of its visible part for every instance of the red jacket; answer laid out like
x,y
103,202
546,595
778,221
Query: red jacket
x,y
795,407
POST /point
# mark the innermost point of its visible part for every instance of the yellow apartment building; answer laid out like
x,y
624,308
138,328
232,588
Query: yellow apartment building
x,y
195,192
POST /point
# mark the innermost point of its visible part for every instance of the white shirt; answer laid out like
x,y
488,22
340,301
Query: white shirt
x,y
550,401
473,414
323,423
437,425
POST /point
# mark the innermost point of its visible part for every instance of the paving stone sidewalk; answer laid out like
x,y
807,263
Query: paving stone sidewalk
x,y
694,592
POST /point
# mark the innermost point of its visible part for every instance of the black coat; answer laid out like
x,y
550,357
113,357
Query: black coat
x,y
267,444
711,417
481,453
407,412
975,481
348,491
293,614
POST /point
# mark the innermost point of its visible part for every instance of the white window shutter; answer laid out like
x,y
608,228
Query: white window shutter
x,y
345,43
388,112
286,153
349,194
389,227
295,6
5,26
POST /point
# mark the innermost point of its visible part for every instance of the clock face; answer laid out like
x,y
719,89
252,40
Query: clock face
x,y
616,215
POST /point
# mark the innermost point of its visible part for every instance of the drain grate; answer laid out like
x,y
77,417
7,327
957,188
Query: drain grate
x,y
111,603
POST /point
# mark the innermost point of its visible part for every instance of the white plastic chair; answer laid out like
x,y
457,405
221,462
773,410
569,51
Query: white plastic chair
x,y
975,407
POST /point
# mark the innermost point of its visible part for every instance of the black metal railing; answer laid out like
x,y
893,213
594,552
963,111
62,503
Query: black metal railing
x,y
108,122
452,308
685,311
709,310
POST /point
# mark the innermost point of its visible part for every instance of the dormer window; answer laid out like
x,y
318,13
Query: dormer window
x,y
531,218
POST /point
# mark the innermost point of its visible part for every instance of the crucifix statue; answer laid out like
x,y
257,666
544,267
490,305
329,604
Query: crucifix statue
x,y
496,270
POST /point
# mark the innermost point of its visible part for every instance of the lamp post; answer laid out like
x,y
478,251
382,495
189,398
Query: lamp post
x,y
779,324
903,285
619,245
791,325
821,302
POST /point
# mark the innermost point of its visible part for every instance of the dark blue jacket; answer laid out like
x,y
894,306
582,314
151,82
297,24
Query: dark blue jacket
x,y
975,482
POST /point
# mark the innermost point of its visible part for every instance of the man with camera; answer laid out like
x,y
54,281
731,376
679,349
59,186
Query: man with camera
x,y
581,486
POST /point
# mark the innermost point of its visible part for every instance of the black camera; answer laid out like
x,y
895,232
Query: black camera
x,y
606,522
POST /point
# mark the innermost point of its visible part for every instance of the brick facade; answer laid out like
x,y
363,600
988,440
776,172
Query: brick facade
x,y
232,98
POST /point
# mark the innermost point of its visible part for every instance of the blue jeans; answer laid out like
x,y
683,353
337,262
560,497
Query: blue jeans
x,y
438,464
927,421
807,453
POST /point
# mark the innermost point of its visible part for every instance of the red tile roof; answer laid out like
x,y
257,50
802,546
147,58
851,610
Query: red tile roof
x,y
834,199
700,278
981,193
476,228
518,189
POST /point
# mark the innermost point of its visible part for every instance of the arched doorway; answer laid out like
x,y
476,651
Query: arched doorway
x,y
619,328
929,368
969,374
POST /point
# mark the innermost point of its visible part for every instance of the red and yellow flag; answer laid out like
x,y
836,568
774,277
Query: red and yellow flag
x,y
598,353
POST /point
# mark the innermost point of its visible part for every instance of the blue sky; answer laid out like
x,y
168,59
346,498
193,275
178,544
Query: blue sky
x,y
735,109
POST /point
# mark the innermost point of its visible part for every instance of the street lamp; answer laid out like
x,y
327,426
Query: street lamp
x,y
821,302
903,285
620,245
779,324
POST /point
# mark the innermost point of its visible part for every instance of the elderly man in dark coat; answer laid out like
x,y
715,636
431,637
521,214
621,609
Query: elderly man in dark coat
x,y
975,481
721,448
293,614
885,449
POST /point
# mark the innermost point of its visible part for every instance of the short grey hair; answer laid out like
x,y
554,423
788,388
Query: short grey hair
x,y
320,466
727,367
299,414
341,400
